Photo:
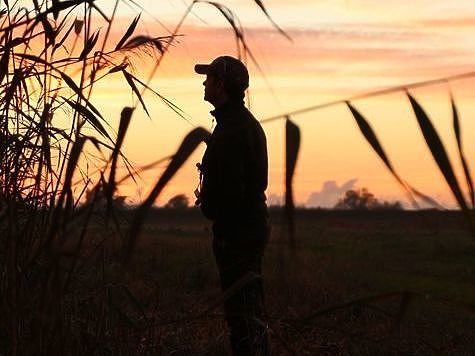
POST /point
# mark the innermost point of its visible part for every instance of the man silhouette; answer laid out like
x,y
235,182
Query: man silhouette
x,y
233,179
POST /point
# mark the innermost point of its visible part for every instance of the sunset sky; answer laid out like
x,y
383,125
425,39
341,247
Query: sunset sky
x,y
339,49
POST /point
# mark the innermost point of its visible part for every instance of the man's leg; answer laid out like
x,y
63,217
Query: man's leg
x,y
244,310
245,316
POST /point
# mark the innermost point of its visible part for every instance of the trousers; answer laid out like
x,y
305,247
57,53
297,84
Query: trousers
x,y
238,250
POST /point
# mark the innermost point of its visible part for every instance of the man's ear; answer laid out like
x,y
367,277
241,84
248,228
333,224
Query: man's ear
x,y
220,84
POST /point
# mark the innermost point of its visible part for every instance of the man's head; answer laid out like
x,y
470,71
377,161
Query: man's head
x,y
227,78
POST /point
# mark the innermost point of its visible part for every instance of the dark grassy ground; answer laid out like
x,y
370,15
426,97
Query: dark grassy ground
x,y
426,258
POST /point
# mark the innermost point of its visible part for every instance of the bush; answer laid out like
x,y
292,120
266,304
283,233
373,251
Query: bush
x,y
362,199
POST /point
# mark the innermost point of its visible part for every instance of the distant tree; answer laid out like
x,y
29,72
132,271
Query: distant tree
x,y
362,199
97,197
179,201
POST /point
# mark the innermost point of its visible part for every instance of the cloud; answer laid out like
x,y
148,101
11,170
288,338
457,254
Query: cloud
x,y
454,22
275,200
330,193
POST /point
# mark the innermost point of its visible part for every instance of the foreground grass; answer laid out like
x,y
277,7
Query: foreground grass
x,y
341,257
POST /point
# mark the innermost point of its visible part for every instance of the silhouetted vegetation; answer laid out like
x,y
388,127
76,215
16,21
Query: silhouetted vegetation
x,y
59,293
63,286
362,199
179,201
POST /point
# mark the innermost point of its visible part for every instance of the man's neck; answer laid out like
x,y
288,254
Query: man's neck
x,y
220,102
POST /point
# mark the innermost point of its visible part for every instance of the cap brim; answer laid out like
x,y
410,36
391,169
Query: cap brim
x,y
202,68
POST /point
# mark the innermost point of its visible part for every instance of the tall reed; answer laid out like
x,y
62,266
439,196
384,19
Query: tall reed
x,y
55,296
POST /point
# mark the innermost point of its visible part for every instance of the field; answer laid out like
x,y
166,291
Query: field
x,y
418,266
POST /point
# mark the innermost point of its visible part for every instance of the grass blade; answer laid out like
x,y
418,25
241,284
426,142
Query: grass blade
x,y
64,38
438,152
50,33
4,64
54,8
189,144
264,10
89,116
144,168
45,134
78,26
70,82
292,146
458,136
125,118
90,43
128,33
425,198
156,42
373,140
130,80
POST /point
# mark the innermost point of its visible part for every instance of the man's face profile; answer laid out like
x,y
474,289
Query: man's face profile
x,y
213,89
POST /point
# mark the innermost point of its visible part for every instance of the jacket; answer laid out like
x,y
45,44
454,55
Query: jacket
x,y
234,167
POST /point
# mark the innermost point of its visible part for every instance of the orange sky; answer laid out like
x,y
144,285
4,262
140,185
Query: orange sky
x,y
340,48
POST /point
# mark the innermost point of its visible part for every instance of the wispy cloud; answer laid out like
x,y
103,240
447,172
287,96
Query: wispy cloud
x,y
455,22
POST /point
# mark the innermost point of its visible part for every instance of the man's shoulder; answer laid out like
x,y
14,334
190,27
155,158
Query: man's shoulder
x,y
255,127
241,124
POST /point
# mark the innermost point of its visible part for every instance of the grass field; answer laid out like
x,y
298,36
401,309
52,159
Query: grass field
x,y
419,266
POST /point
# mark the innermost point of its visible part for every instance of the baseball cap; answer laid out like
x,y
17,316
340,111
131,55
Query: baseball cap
x,y
228,68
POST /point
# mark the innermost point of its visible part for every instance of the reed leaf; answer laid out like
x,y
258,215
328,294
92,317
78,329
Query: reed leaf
x,y
130,81
50,33
65,37
229,16
292,147
189,144
167,102
264,10
73,160
45,134
138,41
373,140
125,117
144,168
99,11
458,136
128,33
118,68
66,193
55,9
59,6
425,198
16,81
33,58
78,24
70,82
238,32
438,152
89,116
4,64
88,47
